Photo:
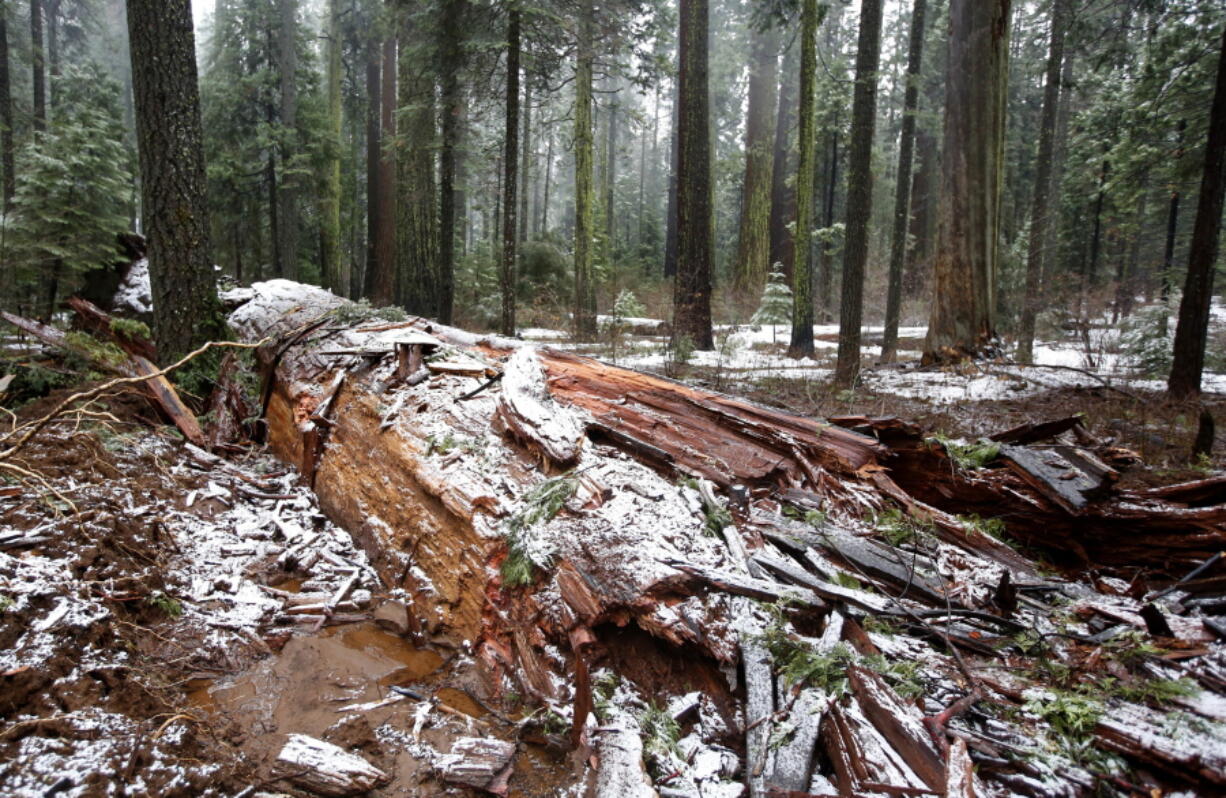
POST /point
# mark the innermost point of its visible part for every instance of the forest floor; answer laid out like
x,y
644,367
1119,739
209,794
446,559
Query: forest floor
x,y
154,630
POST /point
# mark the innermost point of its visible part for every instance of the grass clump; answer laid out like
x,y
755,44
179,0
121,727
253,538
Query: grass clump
x,y
5,603
992,527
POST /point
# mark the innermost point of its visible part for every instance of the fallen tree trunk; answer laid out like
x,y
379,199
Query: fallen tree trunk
x,y
533,505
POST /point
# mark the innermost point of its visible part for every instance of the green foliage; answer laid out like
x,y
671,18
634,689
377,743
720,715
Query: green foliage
x,y
776,305
660,735
362,311
814,518
1148,347
73,185
131,328
604,685
102,352
969,455
541,504
1070,714
993,527
449,443
5,602
898,528
169,605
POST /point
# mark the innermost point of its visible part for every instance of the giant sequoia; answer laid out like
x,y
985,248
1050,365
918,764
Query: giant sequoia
x,y
962,321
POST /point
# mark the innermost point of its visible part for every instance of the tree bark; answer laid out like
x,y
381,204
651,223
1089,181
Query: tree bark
x,y
753,244
525,162
902,196
802,276
962,320
36,65
51,11
1193,327
510,161
416,195
585,288
783,196
374,148
383,277
610,175
1039,209
692,290
670,221
287,190
173,188
449,198
6,115
1172,226
332,268
859,193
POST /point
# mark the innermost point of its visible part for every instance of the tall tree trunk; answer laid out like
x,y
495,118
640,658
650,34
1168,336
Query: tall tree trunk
x,y
383,276
802,275
544,228
416,196
670,221
332,268
6,115
753,243
525,164
923,212
1193,326
825,272
692,290
36,65
510,158
585,289
287,192
859,193
449,197
1039,209
51,10
1172,226
610,175
964,275
1096,235
783,195
902,196
270,185
168,128
374,149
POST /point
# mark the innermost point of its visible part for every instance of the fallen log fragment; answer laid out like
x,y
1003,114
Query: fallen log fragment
x,y
484,763
325,769
546,594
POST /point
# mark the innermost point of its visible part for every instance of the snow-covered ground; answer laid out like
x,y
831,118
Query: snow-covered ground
x,y
747,353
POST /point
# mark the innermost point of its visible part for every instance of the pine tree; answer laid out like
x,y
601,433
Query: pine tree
x,y
776,305
69,202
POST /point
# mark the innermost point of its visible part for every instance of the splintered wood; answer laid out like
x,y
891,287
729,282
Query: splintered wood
x,y
877,635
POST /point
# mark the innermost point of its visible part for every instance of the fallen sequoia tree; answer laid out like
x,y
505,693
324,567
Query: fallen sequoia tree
x,y
711,595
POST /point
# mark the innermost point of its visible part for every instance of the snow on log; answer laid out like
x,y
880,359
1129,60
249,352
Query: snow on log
x,y
324,768
528,412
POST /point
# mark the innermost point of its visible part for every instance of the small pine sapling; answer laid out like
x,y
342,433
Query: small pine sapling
x,y
776,305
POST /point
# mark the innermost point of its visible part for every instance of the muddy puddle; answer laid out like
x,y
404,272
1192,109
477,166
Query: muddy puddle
x,y
336,686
